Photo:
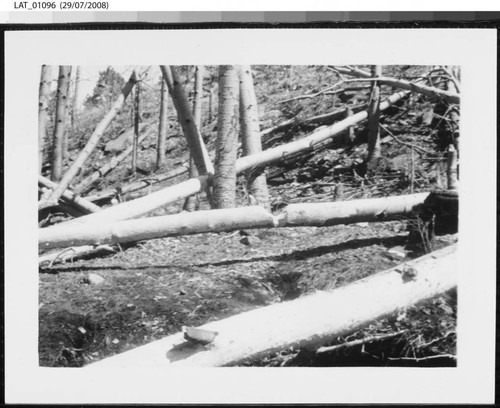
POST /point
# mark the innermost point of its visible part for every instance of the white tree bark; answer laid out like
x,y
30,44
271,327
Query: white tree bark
x,y
71,198
191,132
44,90
309,321
308,214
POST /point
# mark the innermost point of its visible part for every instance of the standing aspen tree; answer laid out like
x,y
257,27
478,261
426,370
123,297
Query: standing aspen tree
x,y
224,184
250,137
74,105
60,121
374,118
67,119
162,131
45,78
137,118
190,204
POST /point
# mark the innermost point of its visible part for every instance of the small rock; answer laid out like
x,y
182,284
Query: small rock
x,y
93,279
245,233
397,252
250,240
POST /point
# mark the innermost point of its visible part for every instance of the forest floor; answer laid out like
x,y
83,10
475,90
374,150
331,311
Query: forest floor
x,y
90,309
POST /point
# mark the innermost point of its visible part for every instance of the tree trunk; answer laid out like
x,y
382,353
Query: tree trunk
x,y
307,322
224,186
374,118
190,203
67,120
71,198
60,121
295,215
137,117
191,132
250,137
86,184
74,105
451,171
162,131
92,143
44,90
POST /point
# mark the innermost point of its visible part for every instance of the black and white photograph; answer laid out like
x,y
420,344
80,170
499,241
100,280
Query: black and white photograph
x,y
265,208
237,204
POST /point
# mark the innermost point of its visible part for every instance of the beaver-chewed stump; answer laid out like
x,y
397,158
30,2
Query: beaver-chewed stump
x,y
438,215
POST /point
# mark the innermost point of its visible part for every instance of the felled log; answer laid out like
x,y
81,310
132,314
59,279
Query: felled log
x,y
74,253
71,198
349,212
309,142
156,227
139,184
309,321
308,214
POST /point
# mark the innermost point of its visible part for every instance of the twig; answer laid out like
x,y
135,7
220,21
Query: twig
x,y
360,342
314,94
404,143
419,359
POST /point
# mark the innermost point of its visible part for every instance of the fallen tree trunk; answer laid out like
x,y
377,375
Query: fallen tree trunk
x,y
349,212
309,214
89,181
139,184
258,333
157,227
168,195
73,253
402,84
71,198
309,142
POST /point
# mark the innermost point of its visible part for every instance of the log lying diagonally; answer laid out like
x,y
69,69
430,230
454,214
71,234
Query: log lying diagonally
x,y
308,214
144,205
70,198
309,321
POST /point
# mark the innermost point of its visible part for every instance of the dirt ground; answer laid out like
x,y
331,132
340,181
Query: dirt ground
x,y
153,288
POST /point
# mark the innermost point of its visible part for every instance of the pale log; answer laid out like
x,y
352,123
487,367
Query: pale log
x,y
71,198
308,214
309,321
334,131
143,205
349,212
156,227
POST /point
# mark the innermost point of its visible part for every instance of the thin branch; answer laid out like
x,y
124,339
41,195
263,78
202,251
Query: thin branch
x,y
402,142
360,342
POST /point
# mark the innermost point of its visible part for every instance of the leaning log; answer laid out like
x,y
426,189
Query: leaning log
x,y
309,321
71,198
308,214
310,142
